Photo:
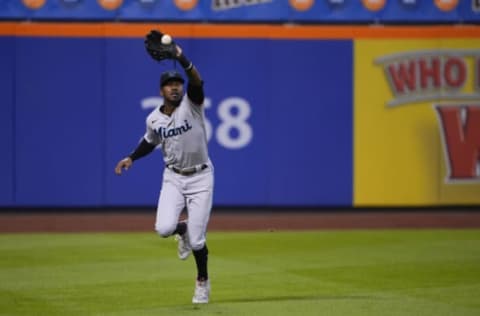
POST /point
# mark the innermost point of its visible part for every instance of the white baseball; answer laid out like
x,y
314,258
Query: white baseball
x,y
166,39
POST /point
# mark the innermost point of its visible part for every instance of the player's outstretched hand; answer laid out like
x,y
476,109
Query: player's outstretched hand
x,y
160,46
125,163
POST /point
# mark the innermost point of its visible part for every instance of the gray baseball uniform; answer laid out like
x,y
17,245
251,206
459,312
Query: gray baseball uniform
x,y
182,139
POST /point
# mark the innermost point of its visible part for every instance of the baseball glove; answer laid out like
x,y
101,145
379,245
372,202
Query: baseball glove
x,y
157,50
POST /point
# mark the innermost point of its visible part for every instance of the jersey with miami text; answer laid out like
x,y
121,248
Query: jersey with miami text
x,y
182,136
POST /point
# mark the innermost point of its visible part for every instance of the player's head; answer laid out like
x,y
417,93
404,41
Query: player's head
x,y
170,76
171,87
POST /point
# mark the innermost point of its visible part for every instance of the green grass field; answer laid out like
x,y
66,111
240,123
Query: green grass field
x,y
378,272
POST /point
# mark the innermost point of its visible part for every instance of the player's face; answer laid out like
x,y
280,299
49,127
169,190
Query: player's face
x,y
172,92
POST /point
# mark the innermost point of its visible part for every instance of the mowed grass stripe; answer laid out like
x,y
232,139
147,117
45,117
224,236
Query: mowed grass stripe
x,y
360,272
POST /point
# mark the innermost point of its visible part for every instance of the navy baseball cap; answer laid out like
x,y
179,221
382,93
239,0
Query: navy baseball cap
x,y
171,75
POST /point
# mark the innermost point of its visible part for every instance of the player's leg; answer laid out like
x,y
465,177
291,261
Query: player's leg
x,y
199,205
170,205
199,198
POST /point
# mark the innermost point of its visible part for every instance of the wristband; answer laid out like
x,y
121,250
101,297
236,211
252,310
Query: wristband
x,y
189,67
186,64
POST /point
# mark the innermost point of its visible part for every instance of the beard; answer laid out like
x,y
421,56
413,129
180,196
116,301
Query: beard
x,y
176,103
175,99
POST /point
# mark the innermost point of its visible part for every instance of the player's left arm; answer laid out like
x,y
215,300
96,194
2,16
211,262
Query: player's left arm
x,y
195,83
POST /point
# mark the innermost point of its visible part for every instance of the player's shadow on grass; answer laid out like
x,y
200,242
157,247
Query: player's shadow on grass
x,y
293,298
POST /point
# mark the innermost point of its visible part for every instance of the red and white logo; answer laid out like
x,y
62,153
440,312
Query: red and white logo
x,y
431,75
460,131
442,76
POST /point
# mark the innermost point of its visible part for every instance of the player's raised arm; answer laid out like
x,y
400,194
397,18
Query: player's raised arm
x,y
190,69
195,82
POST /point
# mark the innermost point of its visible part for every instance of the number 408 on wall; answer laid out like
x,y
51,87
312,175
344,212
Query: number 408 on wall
x,y
233,131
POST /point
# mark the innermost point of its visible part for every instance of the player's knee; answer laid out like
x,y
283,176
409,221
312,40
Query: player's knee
x,y
197,244
164,230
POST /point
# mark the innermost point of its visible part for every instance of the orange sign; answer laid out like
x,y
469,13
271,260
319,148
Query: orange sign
x,y
33,4
446,5
110,4
301,5
373,5
185,5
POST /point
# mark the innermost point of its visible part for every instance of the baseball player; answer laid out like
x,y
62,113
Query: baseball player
x,y
178,128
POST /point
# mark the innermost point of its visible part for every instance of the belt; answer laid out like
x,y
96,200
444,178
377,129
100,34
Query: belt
x,y
188,171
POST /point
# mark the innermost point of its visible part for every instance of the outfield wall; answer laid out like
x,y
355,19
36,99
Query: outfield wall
x,y
298,115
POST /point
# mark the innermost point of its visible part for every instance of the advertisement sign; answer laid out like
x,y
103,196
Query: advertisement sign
x,y
296,115
59,9
310,11
417,122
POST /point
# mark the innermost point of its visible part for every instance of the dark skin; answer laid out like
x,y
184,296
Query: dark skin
x,y
172,93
